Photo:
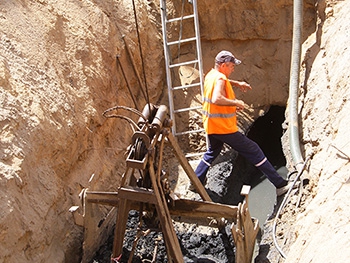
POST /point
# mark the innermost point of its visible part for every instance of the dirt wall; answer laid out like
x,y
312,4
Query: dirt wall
x,y
59,72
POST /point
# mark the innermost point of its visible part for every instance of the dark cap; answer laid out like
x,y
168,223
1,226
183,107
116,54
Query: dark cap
x,y
226,56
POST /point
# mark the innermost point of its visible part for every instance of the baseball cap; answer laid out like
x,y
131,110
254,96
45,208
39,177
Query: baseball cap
x,y
226,56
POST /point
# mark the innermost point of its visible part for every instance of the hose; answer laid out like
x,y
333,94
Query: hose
x,y
294,141
294,85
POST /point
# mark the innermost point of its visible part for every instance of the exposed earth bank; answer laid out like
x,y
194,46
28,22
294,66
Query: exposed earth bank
x,y
61,67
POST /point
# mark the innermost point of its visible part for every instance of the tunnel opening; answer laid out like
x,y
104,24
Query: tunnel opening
x,y
231,171
267,132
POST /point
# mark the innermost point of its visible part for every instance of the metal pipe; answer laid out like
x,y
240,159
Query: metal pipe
x,y
294,141
294,85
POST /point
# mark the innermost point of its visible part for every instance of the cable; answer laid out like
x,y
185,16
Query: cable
x,y
141,55
282,206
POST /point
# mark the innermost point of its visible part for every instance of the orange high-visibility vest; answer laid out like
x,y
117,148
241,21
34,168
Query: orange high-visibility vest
x,y
218,119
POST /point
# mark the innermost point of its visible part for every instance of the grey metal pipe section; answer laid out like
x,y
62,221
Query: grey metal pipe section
x,y
293,128
294,84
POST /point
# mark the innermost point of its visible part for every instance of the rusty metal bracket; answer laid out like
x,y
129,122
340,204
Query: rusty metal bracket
x,y
156,195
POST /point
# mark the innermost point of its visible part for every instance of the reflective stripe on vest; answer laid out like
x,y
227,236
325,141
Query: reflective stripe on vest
x,y
218,115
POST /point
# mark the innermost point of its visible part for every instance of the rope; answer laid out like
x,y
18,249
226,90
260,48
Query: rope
x,y
127,83
141,55
133,125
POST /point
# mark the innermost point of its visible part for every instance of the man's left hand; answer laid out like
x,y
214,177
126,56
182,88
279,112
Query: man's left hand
x,y
244,86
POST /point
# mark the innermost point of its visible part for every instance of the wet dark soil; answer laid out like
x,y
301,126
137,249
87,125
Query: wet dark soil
x,y
215,246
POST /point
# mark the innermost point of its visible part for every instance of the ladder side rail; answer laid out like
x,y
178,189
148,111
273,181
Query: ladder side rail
x,y
199,50
167,63
198,44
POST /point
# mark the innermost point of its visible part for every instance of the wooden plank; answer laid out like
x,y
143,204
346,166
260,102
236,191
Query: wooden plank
x,y
137,194
202,209
171,241
244,234
120,226
101,197
188,169
251,230
238,236
245,190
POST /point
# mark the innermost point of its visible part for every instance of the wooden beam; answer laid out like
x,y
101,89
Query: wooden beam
x,y
137,194
188,169
202,209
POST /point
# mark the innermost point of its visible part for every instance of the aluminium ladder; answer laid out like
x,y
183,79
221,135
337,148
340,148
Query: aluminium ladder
x,y
182,33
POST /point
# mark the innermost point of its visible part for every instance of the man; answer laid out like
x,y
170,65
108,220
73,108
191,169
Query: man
x,y
219,119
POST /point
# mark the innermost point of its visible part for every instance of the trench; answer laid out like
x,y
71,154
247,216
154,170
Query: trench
x,y
225,179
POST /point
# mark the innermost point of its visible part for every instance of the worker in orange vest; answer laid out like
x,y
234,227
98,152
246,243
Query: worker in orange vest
x,y
220,122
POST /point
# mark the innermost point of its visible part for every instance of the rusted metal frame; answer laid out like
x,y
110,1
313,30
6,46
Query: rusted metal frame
x,y
134,194
171,241
122,218
160,161
88,232
202,209
188,169
181,207
173,247
244,234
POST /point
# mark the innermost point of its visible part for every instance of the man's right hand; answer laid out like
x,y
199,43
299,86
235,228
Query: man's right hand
x,y
239,104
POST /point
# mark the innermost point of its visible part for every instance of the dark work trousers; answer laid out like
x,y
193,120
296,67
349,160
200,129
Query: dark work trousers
x,y
245,147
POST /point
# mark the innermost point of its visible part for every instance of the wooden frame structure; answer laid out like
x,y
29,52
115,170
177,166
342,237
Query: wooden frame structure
x,y
155,194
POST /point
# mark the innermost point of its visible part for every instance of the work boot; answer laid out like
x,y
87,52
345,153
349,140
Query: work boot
x,y
284,189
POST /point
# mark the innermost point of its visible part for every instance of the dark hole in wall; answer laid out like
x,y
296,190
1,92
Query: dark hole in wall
x,y
267,132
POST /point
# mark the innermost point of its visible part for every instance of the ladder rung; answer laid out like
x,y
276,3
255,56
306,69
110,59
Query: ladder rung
x,y
182,41
187,109
189,132
187,86
179,18
183,63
